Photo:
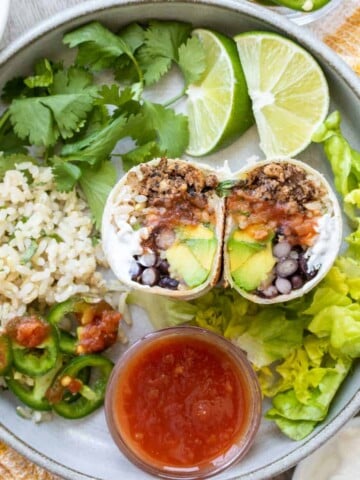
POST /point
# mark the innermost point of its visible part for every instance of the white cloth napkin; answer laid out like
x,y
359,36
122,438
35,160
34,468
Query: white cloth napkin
x,y
25,14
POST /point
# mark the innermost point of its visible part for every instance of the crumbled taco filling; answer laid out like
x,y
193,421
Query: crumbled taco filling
x,y
275,207
172,200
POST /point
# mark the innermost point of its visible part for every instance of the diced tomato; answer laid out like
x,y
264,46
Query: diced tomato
x,y
29,331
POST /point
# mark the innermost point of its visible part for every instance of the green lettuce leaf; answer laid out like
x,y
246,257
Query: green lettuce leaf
x,y
162,311
297,414
344,160
270,336
342,327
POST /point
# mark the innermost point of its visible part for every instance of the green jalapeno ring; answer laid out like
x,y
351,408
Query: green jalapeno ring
x,y
92,393
6,355
84,377
67,341
301,4
34,396
38,360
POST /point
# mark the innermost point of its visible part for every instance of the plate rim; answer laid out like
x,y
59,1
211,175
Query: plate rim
x,y
315,47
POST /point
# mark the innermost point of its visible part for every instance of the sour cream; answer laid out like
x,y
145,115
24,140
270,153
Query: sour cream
x,y
327,226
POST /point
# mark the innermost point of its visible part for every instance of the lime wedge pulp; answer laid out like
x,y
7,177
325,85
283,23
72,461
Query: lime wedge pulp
x,y
288,89
218,105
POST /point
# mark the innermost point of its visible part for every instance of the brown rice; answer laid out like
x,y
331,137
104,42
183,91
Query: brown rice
x,y
47,251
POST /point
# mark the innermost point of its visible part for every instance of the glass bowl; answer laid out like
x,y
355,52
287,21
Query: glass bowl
x,y
183,402
302,18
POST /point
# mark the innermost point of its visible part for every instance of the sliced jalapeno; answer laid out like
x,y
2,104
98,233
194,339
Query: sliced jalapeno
x,y
32,391
62,317
90,394
6,357
34,345
302,5
85,326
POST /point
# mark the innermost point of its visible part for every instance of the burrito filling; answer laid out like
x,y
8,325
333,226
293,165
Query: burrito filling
x,y
173,206
276,211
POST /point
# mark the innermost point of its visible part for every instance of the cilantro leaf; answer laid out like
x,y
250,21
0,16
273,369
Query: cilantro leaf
x,y
43,119
141,154
98,146
14,88
97,46
133,35
33,120
97,119
96,185
9,162
9,141
163,39
171,128
138,128
153,67
113,95
192,60
155,122
43,75
125,71
29,252
66,175
161,48
73,80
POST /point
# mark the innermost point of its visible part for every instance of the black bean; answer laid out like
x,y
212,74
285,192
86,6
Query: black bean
x,y
296,281
168,282
281,249
270,292
283,285
150,276
148,259
165,238
286,267
303,267
135,270
163,266
294,254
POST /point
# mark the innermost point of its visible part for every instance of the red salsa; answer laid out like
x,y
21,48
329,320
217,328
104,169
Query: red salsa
x,y
181,402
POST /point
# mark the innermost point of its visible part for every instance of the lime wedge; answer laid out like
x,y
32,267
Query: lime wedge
x,y
289,93
218,105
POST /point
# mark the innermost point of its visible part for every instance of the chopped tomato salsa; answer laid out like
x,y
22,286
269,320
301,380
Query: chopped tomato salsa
x,y
99,330
181,402
262,217
29,332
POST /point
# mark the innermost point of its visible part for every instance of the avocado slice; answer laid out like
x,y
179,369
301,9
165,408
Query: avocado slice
x,y
241,246
186,232
185,265
240,252
255,269
203,250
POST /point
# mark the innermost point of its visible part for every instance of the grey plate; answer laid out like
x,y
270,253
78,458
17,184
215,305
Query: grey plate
x,y
83,449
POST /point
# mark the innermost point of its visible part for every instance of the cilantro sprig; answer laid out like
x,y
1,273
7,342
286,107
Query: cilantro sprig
x,y
72,119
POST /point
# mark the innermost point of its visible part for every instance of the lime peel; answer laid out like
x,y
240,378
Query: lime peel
x,y
218,105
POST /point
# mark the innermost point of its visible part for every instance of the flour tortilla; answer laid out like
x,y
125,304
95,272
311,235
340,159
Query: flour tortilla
x,y
334,242
120,246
